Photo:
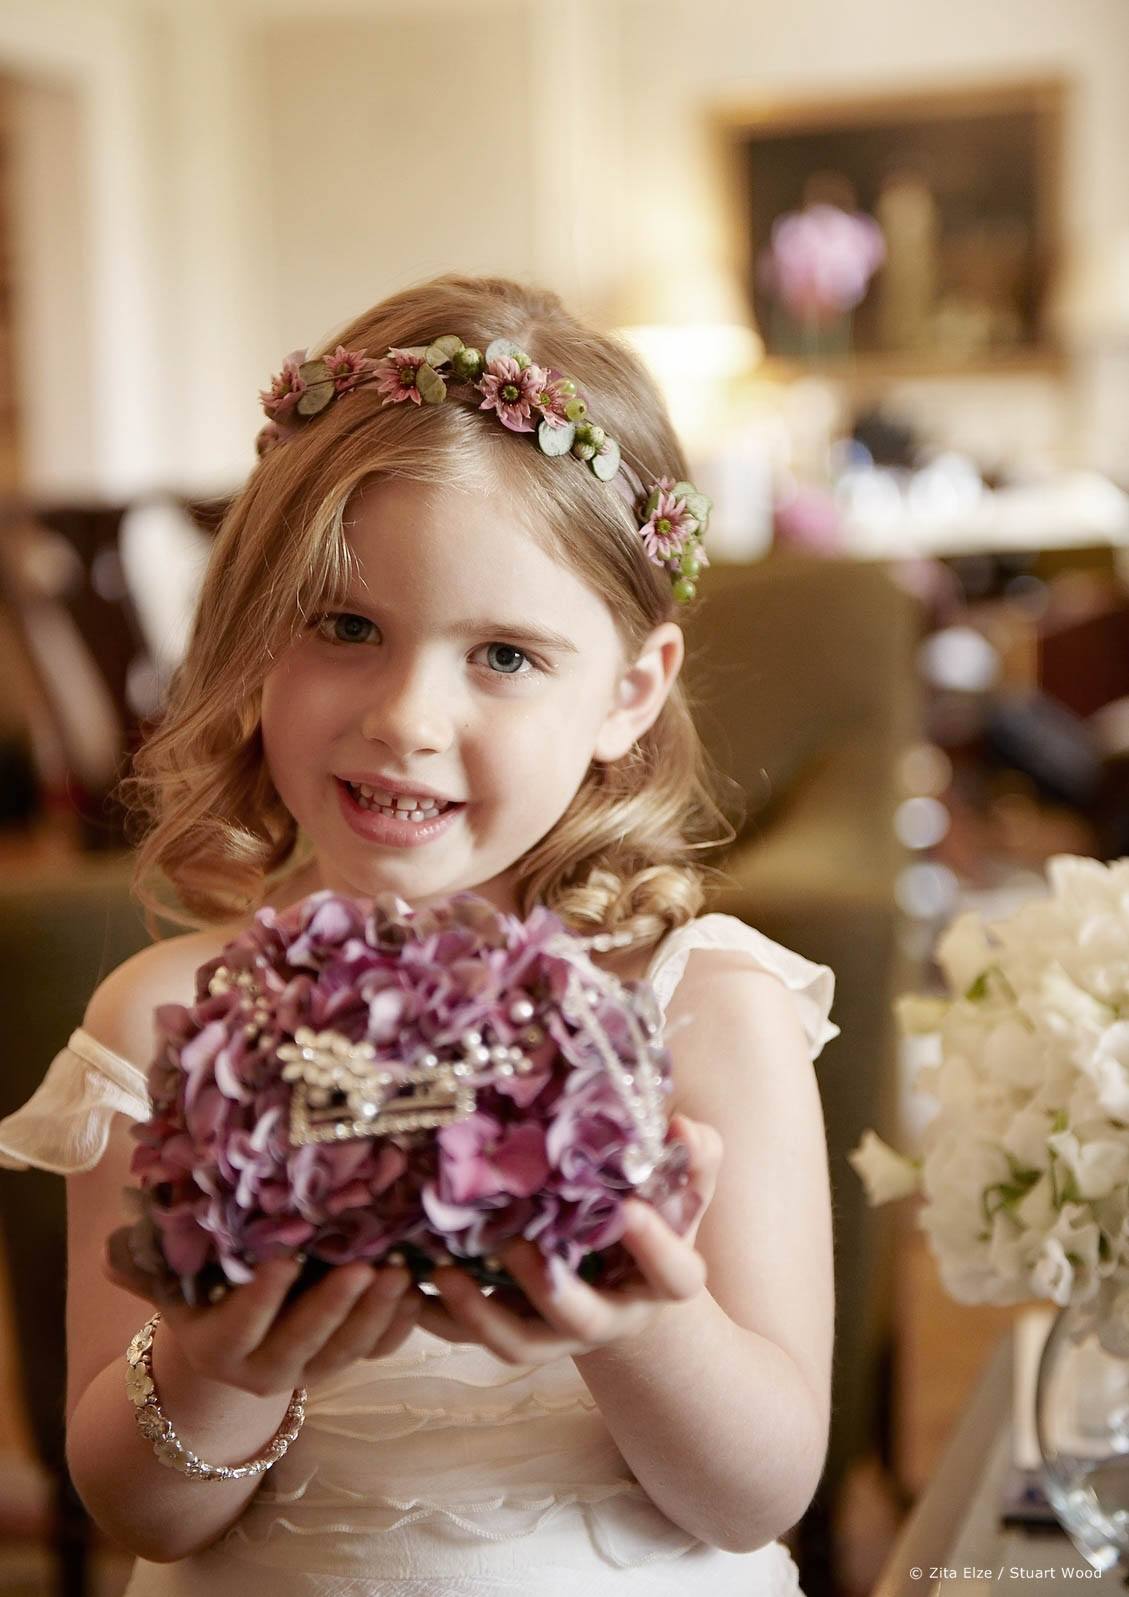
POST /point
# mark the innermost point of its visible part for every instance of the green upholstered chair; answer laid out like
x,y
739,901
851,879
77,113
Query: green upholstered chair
x,y
805,670
61,930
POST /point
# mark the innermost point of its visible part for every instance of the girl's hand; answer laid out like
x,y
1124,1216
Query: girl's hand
x,y
253,1340
574,1318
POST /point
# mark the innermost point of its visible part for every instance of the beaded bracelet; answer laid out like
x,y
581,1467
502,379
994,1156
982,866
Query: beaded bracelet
x,y
152,1422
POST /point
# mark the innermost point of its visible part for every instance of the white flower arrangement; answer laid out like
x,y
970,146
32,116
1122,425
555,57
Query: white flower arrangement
x,y
1025,1166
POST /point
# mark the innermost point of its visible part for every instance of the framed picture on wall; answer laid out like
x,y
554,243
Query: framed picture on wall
x,y
921,231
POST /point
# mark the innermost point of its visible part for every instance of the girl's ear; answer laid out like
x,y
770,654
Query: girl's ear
x,y
641,692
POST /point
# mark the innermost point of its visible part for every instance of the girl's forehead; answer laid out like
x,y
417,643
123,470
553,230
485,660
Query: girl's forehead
x,y
450,551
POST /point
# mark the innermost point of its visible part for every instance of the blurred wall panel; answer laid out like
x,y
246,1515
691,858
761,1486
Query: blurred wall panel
x,y
50,243
399,146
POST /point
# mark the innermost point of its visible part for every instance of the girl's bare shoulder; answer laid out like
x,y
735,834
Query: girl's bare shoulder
x,y
120,1011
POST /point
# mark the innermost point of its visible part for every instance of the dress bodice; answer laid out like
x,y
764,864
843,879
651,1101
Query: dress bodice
x,y
440,1469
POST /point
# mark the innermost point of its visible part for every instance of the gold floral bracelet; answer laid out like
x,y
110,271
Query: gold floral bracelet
x,y
152,1422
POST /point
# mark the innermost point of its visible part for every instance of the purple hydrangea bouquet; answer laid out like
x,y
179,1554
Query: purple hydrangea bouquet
x,y
368,1081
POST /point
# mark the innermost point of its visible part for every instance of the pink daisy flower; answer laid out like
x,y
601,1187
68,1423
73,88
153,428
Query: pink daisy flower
x,y
349,367
286,388
397,380
667,528
269,436
512,392
552,399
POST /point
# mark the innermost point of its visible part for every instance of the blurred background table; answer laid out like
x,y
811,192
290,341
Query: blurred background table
x,y
954,1542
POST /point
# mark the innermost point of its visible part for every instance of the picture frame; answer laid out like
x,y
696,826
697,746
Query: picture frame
x,y
965,185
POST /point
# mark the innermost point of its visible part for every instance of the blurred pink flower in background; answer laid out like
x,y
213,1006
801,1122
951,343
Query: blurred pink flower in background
x,y
820,261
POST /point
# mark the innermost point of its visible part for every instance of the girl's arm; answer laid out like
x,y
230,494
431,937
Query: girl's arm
x,y
153,1511
722,1406
225,1373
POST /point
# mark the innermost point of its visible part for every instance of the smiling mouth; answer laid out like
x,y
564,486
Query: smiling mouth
x,y
426,810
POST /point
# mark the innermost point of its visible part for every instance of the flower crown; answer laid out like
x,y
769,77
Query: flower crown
x,y
527,398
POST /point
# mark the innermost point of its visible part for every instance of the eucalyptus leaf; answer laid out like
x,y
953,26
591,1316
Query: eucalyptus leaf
x,y
499,347
443,348
432,388
555,440
606,463
699,506
315,397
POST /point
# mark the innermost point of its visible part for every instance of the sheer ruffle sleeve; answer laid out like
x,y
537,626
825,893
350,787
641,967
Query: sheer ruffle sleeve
x,y
813,985
65,1124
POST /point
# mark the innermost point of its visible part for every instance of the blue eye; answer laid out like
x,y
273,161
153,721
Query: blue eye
x,y
342,626
509,649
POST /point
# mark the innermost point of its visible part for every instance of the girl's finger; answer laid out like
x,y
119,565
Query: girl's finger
x,y
405,1318
118,1266
565,1302
668,1262
367,1321
240,1321
510,1338
302,1330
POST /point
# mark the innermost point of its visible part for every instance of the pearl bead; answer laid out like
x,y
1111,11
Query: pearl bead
x,y
521,1010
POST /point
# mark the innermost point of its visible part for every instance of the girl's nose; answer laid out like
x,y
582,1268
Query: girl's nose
x,y
406,714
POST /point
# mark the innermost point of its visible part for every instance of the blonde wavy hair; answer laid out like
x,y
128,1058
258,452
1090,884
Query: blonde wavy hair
x,y
205,816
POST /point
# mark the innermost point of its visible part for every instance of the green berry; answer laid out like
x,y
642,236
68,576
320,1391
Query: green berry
x,y
684,590
690,565
466,365
576,410
567,386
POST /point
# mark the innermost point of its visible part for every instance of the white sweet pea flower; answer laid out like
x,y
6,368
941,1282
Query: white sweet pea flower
x,y
886,1174
1053,1274
1026,1137
1037,1210
964,953
1108,1068
1082,885
1013,1054
1065,1006
1098,1166
1025,1164
1079,1237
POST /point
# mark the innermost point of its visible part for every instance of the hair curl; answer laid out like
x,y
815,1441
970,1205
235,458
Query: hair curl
x,y
206,818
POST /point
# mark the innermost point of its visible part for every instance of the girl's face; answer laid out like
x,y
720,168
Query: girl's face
x,y
464,663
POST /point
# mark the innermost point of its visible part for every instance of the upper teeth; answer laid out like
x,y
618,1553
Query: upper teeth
x,y
399,801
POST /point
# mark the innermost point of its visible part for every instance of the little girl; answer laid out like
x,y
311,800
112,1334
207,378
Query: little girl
x,y
436,650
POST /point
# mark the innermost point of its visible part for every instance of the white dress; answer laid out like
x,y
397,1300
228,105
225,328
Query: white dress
x,y
440,1471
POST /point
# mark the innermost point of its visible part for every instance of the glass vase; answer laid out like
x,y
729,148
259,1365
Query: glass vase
x,y
1082,1423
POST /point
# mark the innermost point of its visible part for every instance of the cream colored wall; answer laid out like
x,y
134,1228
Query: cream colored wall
x,y
619,159
256,171
687,56
382,167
